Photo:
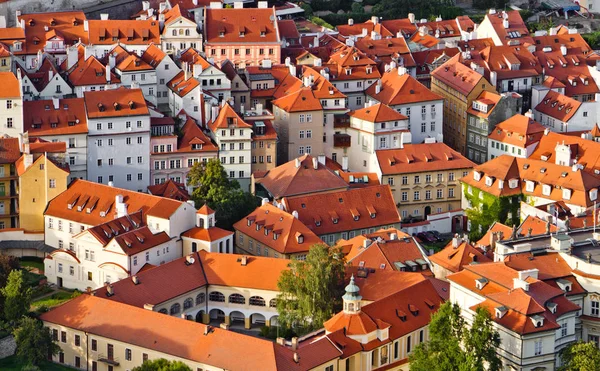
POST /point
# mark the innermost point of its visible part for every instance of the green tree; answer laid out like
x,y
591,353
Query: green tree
x,y
34,342
17,297
311,291
454,346
580,356
7,265
212,187
357,8
162,364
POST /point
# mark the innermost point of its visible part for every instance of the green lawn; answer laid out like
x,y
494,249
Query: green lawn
x,y
32,262
14,364
53,300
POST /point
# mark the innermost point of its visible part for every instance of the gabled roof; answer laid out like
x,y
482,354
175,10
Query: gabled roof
x,y
285,226
174,13
287,29
518,130
455,258
191,56
40,27
153,55
10,85
133,63
299,177
127,32
180,86
376,113
115,103
399,89
9,150
226,118
241,25
458,76
516,30
43,75
193,135
415,158
170,189
339,211
90,72
41,117
558,106
299,101
584,150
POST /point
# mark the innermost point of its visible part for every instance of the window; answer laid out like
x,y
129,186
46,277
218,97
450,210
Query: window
x,y
563,329
595,308
257,301
94,345
200,298
404,196
416,196
450,177
408,345
423,127
216,296
175,309
63,336
450,192
440,193
538,347
127,354
52,183
417,179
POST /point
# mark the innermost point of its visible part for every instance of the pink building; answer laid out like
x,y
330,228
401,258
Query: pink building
x,y
244,36
172,158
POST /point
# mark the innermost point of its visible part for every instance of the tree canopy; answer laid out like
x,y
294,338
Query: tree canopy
x,y
580,356
162,364
225,196
17,297
7,265
454,346
311,291
34,341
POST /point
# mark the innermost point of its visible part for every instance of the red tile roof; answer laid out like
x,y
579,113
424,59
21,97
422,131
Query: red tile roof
x,y
278,222
354,209
127,32
227,117
301,100
416,158
518,130
115,103
516,26
89,72
180,86
290,180
193,135
287,29
257,26
458,76
558,106
153,55
206,234
40,27
584,150
41,117
10,85
401,89
9,150
456,258
170,189
379,112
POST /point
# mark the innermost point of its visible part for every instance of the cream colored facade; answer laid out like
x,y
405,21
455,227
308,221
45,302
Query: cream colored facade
x,y
249,246
299,133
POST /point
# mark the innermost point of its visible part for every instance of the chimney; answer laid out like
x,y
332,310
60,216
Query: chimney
x,y
244,260
55,103
296,358
145,5
50,75
411,18
281,341
87,52
120,206
297,162
104,16
196,70
350,22
72,56
366,243
378,87
563,49
393,236
258,108
135,280
375,19
162,7
111,184
112,61
108,74
185,68
401,140
316,42
322,159
505,23
110,291
345,163
294,344
315,162
287,61
86,26
263,202
529,114
149,306
295,214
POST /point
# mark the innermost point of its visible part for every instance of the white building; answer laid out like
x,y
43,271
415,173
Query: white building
x,y
234,139
180,31
118,138
562,114
45,83
206,236
134,35
135,72
211,78
186,94
11,105
110,252
86,73
518,136
409,97
166,69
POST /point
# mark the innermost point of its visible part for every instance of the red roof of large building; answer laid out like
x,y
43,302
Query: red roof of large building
x,y
518,130
41,27
458,254
127,32
170,189
42,117
458,76
416,158
401,89
224,26
379,112
115,103
9,150
558,106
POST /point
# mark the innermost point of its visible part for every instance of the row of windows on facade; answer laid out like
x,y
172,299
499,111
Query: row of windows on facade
x,y
478,156
182,46
100,143
176,164
232,146
260,250
417,212
160,180
428,194
236,51
128,160
72,227
232,160
505,147
128,177
93,346
428,178
218,297
110,125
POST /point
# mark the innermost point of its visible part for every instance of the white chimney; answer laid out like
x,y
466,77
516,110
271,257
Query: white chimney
x,y
111,184
50,74
72,56
322,159
266,63
315,162
55,103
264,201
505,23
145,5
350,22
196,70
86,25
529,114
238,5
263,5
297,162
393,236
258,108
186,71
378,87
216,5
318,62
108,73
287,61
316,42
295,214
104,16
411,17
120,206
345,163
195,2
401,70
87,52
112,60
563,49
375,19
366,243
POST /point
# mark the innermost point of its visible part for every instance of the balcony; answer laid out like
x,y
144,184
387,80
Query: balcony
x,y
108,360
341,140
341,121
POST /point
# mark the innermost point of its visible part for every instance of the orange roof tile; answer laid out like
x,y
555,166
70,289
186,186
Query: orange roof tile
x,y
384,255
205,210
10,85
153,55
414,158
194,139
280,223
358,208
456,258
495,228
516,26
488,98
207,234
127,32
518,130
379,112
180,86
9,150
299,101
115,103
41,117
192,57
170,189
401,89
39,27
90,72
558,106
226,118
241,25
456,75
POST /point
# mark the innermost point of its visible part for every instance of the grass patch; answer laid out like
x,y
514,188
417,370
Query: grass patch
x,y
435,246
55,299
41,291
32,262
13,363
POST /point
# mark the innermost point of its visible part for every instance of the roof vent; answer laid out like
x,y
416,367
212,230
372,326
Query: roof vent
x,y
135,279
189,260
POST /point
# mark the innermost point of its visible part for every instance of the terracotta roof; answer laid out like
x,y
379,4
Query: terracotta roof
x,y
102,197
227,117
570,69
291,180
292,235
10,85
115,103
90,72
537,225
357,208
171,15
379,112
205,210
67,25
456,258
558,106
301,100
551,265
449,27
516,30
584,150
487,98
42,76
458,76
357,29
269,132
570,40
41,117
426,40
287,29
38,145
425,58
191,56
356,179
509,62
241,25
416,158
495,228
153,55
518,130
9,150
386,47
132,237
127,32
206,234
193,136
401,89
171,335
170,189
180,86
382,283
133,63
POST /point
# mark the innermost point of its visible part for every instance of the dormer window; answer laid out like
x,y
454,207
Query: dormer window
x,y
546,190
593,194
552,307
489,181
300,238
476,175
566,194
480,283
500,311
513,183
356,217
538,321
335,221
529,186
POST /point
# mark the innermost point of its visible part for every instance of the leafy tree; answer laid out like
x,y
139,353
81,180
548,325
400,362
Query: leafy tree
x,y
34,342
17,297
357,8
308,11
221,194
391,9
454,346
162,364
7,265
311,291
580,356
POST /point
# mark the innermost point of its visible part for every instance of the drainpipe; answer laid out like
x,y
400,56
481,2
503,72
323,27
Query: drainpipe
x,y
87,352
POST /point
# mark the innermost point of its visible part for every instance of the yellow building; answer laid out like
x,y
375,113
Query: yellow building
x,y
9,207
39,182
264,140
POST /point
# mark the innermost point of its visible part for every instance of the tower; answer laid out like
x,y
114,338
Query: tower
x,y
352,298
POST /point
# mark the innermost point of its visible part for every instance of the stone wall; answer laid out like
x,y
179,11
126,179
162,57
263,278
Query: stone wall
x,y
7,347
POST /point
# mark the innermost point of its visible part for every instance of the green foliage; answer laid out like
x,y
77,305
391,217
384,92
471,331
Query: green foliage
x,y
32,262
222,195
357,8
487,4
392,9
308,11
7,265
273,332
580,356
593,39
543,24
454,346
311,291
13,363
55,299
486,209
337,19
162,364
525,14
320,22
34,342
17,298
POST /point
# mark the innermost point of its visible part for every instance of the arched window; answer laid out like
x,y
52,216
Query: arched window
x,y
237,299
200,298
273,303
187,32
258,301
188,303
194,247
174,32
175,309
216,296
163,311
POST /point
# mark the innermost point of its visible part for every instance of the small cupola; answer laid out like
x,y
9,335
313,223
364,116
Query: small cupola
x,y
205,217
352,298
